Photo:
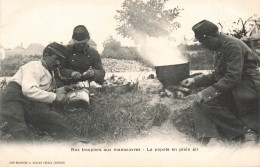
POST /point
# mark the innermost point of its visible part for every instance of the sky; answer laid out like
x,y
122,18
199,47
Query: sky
x,y
44,21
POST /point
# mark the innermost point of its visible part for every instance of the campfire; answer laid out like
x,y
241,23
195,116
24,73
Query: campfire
x,y
171,75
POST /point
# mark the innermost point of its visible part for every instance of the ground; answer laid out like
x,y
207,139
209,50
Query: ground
x,y
138,112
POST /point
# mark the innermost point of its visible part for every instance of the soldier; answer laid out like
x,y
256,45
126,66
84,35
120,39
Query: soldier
x,y
26,97
82,61
228,108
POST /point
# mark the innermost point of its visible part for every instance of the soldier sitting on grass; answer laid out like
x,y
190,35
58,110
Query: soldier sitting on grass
x,y
82,62
33,86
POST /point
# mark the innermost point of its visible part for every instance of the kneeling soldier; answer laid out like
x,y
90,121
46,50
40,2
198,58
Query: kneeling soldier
x,y
229,107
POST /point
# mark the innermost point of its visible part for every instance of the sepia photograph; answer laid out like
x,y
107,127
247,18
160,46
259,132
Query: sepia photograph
x,y
129,83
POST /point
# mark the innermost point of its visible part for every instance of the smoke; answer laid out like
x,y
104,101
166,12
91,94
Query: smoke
x,y
159,51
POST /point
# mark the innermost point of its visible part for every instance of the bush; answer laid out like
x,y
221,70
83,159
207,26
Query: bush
x,y
11,64
200,60
111,44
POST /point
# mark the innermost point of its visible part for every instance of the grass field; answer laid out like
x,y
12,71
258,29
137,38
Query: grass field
x,y
114,117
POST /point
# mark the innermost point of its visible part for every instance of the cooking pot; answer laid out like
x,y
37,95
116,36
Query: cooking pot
x,y
172,74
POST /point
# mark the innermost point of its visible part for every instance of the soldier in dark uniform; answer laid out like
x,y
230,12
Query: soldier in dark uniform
x,y
82,62
228,108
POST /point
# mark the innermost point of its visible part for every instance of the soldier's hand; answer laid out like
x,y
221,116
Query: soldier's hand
x,y
60,97
188,82
199,97
88,74
71,87
76,75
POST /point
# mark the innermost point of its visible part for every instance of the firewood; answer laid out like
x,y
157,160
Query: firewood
x,y
186,91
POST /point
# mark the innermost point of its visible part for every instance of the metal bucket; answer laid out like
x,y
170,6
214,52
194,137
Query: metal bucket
x,y
172,74
78,98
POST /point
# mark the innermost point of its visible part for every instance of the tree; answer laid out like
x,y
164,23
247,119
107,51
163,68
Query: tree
x,y
140,19
245,27
111,44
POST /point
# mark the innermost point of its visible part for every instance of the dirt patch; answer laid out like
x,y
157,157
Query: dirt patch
x,y
180,115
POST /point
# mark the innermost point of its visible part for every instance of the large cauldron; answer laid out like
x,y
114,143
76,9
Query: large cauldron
x,y
172,74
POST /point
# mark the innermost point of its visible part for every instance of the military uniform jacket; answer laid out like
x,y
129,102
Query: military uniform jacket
x,y
236,70
81,62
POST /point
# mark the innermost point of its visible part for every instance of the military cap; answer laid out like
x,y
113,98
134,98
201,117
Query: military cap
x,y
204,28
56,48
80,33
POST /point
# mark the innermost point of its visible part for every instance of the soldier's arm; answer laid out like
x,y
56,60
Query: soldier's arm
x,y
31,85
205,80
97,67
232,77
